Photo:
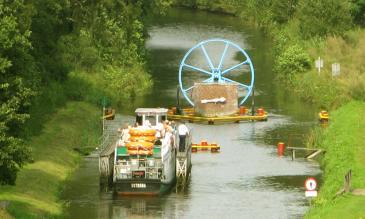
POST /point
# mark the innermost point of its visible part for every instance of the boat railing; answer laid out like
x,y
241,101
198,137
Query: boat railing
x,y
187,146
104,141
152,168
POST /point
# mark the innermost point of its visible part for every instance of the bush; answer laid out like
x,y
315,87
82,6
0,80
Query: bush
x,y
292,61
125,83
320,89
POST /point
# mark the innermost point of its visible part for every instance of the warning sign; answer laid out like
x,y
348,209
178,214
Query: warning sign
x,y
310,185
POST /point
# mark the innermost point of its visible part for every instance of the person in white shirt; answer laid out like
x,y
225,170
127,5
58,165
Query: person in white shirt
x,y
159,133
168,137
183,131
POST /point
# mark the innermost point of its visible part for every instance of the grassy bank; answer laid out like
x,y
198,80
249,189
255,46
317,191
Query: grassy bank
x,y
331,92
39,184
344,142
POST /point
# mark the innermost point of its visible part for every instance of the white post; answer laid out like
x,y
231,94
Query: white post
x,y
319,64
335,69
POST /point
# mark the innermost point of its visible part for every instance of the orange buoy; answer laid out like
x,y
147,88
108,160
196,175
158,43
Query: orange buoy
x,y
242,110
260,112
281,148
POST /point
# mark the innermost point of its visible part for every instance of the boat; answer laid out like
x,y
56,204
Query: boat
x,y
142,164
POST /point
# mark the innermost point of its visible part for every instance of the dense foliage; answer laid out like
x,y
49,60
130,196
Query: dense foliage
x,y
42,41
15,66
323,17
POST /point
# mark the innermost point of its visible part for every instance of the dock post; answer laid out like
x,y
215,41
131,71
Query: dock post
x,y
293,154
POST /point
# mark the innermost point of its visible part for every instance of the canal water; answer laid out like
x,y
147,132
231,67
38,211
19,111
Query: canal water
x,y
246,179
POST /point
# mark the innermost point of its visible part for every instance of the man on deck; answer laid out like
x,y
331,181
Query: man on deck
x,y
183,131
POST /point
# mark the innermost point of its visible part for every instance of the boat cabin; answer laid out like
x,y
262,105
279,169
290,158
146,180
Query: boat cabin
x,y
150,116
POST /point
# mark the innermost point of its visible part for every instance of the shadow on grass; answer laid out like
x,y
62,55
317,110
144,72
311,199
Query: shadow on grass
x,y
22,210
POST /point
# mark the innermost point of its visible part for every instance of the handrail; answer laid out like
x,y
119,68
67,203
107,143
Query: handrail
x,y
149,169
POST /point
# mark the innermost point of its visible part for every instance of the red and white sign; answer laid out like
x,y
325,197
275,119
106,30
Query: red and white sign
x,y
311,185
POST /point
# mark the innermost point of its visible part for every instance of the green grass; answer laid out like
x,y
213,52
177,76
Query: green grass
x,y
344,141
4,214
39,184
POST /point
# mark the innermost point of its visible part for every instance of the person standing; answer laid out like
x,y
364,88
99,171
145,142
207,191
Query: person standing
x,y
183,131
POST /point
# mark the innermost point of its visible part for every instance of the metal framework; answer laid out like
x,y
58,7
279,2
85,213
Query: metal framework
x,y
216,73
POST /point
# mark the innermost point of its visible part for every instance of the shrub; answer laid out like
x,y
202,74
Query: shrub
x,y
292,61
126,82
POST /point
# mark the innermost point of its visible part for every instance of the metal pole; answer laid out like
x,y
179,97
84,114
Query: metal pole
x,y
178,97
253,101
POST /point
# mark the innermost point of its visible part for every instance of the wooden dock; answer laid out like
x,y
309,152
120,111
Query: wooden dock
x,y
107,147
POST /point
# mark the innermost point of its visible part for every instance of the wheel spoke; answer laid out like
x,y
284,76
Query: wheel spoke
x,y
235,82
233,67
207,57
198,69
208,80
189,88
223,55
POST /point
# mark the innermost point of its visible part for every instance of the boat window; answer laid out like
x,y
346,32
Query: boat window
x,y
152,120
139,120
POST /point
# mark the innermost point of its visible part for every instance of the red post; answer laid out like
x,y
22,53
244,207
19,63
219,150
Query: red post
x,y
281,148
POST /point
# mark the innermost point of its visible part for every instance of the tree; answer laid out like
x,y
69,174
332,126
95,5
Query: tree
x,y
324,17
283,10
15,95
358,11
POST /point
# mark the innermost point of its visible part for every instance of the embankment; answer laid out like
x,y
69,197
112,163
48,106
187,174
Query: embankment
x,y
37,189
344,142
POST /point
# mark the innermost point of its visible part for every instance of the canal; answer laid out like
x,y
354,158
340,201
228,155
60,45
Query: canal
x,y
246,179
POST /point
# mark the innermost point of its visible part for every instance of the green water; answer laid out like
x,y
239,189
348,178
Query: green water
x,y
246,179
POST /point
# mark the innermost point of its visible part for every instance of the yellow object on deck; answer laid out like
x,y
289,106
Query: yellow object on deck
x,y
188,114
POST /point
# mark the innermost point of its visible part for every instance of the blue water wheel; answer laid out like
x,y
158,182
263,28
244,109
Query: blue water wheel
x,y
216,71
